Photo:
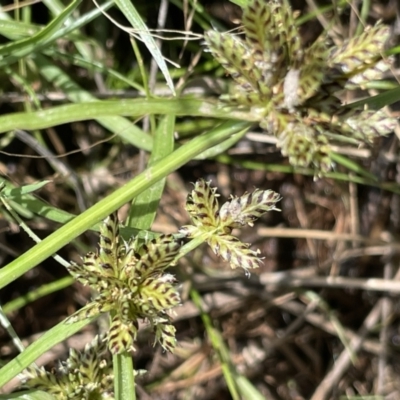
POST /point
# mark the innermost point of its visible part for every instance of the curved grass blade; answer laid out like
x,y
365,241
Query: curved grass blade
x,y
116,124
134,108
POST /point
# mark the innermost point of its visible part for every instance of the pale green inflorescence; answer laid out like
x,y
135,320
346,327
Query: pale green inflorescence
x,y
293,89
131,283
84,375
215,224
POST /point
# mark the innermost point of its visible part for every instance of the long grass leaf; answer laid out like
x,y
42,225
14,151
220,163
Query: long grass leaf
x,y
107,108
131,14
121,126
23,47
144,207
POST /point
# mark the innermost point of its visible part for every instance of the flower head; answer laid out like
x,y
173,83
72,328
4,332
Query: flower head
x,y
292,89
85,375
131,283
215,224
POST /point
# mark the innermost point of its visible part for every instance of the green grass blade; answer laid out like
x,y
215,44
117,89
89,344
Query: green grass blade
x,y
135,108
219,346
38,293
352,166
6,324
247,389
144,207
16,29
55,335
119,125
134,18
240,3
23,47
94,65
142,214
222,147
22,190
380,100
54,6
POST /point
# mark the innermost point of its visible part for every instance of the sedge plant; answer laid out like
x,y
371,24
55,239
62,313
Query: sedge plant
x,y
130,281
292,91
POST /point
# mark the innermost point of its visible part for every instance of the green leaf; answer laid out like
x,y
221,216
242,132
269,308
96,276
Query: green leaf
x,y
122,127
247,389
241,3
22,190
53,336
144,207
222,147
23,47
379,101
133,108
140,27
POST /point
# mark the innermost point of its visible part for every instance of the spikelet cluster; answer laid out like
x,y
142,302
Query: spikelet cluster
x,y
130,282
85,375
293,89
215,224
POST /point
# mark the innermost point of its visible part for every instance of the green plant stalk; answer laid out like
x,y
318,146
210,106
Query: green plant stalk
x,y
106,206
141,215
190,246
219,347
366,8
6,324
38,293
124,388
124,378
144,207
138,107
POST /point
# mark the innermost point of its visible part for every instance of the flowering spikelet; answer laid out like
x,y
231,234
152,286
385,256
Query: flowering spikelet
x,y
215,224
85,375
131,282
291,89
